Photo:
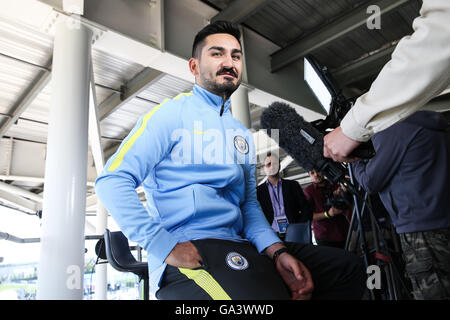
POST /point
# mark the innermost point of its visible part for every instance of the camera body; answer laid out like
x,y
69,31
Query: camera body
x,y
341,201
338,202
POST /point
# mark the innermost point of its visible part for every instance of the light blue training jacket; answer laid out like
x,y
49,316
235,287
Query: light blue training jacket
x,y
197,168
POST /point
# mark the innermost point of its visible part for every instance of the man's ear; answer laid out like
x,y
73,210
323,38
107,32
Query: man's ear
x,y
194,66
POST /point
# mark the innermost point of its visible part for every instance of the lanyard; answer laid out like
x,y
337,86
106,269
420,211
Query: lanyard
x,y
276,195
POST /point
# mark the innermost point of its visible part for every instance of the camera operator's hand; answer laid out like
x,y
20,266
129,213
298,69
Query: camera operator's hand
x,y
339,190
334,211
184,255
337,146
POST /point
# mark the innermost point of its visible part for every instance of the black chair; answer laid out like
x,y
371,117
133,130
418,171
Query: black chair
x,y
299,232
120,257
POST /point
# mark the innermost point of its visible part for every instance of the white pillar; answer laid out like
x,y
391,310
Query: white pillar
x,y
61,265
240,106
101,276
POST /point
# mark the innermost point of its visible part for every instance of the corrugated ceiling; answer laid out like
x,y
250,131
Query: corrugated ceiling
x,y
34,48
25,53
285,22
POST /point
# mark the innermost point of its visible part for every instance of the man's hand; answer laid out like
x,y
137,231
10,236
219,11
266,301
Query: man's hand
x,y
184,255
340,189
293,272
334,211
296,276
337,146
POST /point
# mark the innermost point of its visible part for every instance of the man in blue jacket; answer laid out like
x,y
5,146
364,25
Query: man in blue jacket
x,y
411,172
203,229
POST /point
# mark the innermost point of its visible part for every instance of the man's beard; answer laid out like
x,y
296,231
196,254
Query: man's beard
x,y
223,89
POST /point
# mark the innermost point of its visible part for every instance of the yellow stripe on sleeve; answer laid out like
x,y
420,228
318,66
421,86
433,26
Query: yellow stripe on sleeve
x,y
127,146
203,279
199,132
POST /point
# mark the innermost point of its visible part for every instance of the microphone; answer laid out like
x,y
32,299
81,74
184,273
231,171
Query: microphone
x,y
302,142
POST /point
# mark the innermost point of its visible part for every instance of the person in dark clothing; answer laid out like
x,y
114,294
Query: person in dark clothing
x,y
411,172
281,200
330,224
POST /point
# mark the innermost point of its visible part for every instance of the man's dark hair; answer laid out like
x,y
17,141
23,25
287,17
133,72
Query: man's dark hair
x,y
269,154
213,28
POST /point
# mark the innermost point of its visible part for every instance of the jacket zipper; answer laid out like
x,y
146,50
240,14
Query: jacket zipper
x,y
222,108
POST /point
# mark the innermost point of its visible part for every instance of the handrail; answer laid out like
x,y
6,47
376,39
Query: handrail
x,y
9,237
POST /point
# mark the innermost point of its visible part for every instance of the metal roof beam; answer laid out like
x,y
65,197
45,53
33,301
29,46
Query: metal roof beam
x,y
32,179
19,201
363,68
95,140
91,200
240,10
28,96
328,33
130,37
131,89
73,6
20,192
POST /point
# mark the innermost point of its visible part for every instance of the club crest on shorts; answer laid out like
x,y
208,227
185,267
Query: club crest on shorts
x,y
241,144
236,261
